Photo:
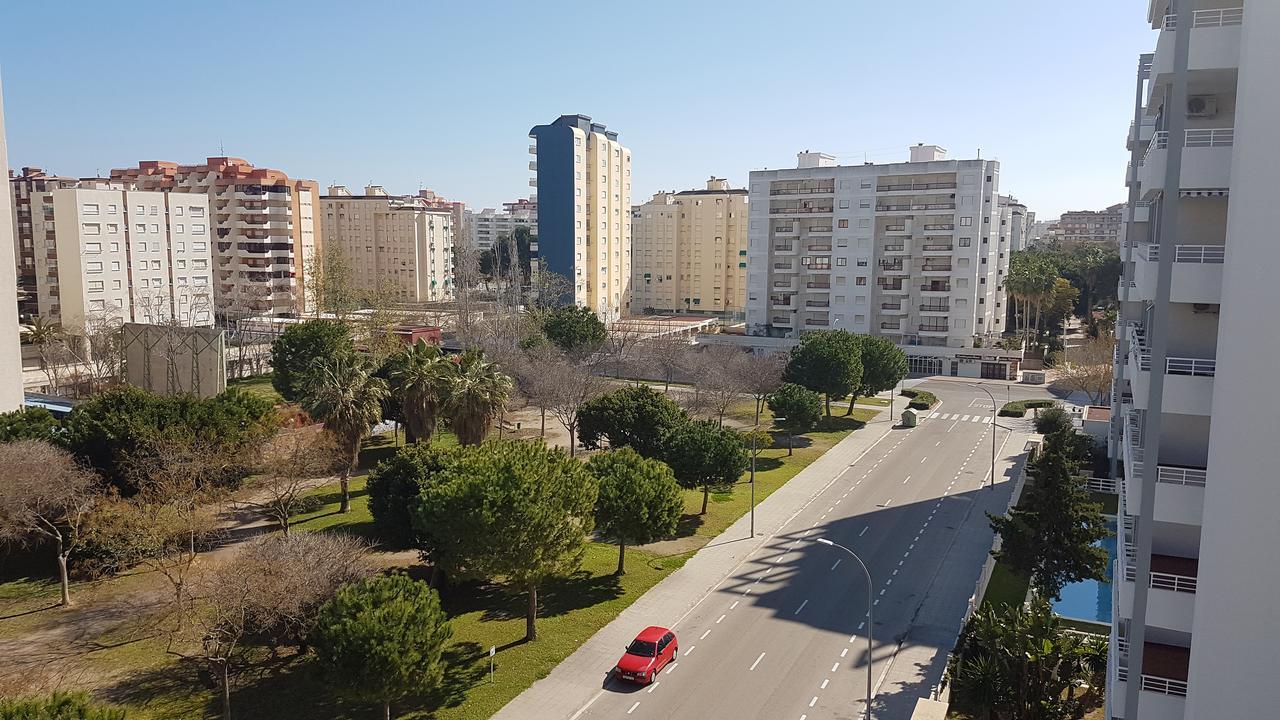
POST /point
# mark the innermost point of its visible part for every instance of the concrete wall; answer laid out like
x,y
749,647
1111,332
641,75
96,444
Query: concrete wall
x,y
10,352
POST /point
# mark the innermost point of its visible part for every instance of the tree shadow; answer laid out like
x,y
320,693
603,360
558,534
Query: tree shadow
x,y
780,442
689,524
555,597
765,464
837,423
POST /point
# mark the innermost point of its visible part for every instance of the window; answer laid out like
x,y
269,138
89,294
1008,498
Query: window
x,y
862,262
97,305
182,264
112,209
866,183
842,261
179,228
199,264
859,319
844,204
199,247
115,284
113,229
196,211
140,229
966,222
155,210
145,283
91,228
839,298
965,242
200,280
115,247
842,223
155,264
89,209
96,286
115,265
177,210
93,267
155,228
860,281
93,247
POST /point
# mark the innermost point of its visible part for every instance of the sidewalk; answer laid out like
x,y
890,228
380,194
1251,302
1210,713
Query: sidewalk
x,y
576,680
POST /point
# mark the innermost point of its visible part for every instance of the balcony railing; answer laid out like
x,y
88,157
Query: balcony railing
x,y
942,226
940,287
785,230
891,266
783,266
816,321
781,320
1206,254
817,303
1152,683
1211,137
1174,475
936,268
916,186
822,229
890,326
1221,17
783,248
823,190
819,248
789,210
897,247
895,228
817,285
935,308
1175,583
938,248
933,328
916,206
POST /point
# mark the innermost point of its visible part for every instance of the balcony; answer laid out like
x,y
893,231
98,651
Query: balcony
x,y
1206,160
784,266
1164,680
533,149
817,303
935,308
1142,212
1171,600
894,327
937,247
894,248
817,285
1179,490
901,228
1140,133
806,208
816,247
781,320
819,229
1188,383
936,287
936,268
940,227
916,187
1215,45
802,188
1197,273
893,308
933,329
892,266
783,249
909,207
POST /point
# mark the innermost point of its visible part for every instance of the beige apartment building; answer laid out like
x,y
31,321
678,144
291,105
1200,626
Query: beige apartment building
x,y
265,229
10,351
689,251
93,251
400,240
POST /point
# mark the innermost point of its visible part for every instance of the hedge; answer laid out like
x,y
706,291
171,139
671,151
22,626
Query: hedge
x,y
920,399
1018,408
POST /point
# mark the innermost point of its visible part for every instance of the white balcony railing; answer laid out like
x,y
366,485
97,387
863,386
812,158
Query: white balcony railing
x,y
1181,476
1164,686
1221,17
1175,583
1211,137
1206,254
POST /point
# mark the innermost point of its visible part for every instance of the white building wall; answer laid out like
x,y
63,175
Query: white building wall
x,y
10,351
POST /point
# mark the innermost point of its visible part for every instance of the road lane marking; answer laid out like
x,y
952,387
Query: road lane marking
x,y
824,683
828,510
835,666
937,443
797,612
934,415
806,532
966,417
852,638
671,668
877,602
904,482
633,707
926,457
812,702
864,622
734,605
757,662
887,502
689,652
654,686
705,634
887,582
838,560
721,618
864,531
846,650
895,570
987,420
882,591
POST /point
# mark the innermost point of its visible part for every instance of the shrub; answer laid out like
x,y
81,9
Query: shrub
x,y
58,706
1053,419
394,487
1018,408
920,399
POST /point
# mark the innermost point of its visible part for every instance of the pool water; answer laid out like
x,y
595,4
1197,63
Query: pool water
x,y
1090,599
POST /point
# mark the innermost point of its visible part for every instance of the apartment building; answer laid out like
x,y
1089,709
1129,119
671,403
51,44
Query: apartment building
x,y
1194,633
94,252
1015,223
689,251
1098,227
10,350
265,229
397,241
911,251
584,210
488,226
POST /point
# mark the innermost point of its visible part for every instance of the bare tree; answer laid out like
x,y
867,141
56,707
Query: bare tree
x,y
761,374
669,355
533,372
45,495
1089,368
620,344
291,461
719,379
569,385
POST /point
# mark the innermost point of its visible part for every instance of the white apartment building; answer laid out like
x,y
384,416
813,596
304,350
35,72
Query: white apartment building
x,y
911,251
95,252
1194,630
584,211
689,251
265,224
1015,223
10,348
396,240
487,226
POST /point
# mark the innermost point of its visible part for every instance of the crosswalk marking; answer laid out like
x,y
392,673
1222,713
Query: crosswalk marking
x,y
986,420
977,418
934,415
983,419
966,417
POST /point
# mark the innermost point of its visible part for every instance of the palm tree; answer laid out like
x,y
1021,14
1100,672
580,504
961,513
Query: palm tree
x,y
421,376
342,393
480,392
47,337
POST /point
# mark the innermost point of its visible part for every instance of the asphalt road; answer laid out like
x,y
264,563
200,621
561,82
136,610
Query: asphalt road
x,y
784,636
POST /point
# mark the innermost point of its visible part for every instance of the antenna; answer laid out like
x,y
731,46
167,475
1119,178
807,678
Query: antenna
x,y
221,150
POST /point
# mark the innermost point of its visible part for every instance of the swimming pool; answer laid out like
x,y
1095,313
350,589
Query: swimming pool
x,y
1090,599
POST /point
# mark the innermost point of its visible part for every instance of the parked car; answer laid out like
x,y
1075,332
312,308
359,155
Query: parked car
x,y
653,649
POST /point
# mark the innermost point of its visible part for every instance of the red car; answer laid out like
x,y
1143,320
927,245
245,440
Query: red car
x,y
653,649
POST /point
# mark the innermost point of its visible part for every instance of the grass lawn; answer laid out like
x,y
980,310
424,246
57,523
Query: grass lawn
x,y
258,384
139,674
1006,587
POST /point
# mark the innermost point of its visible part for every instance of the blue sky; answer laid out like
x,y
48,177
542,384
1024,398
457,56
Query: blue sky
x,y
441,95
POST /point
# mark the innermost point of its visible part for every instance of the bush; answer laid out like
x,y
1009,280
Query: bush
x,y
1018,408
1053,419
920,399
394,487
34,423
58,706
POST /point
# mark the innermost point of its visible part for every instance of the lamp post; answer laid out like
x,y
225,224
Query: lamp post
x,y
755,451
994,425
871,624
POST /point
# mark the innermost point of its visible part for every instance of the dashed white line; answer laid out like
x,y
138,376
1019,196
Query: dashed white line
x,y
877,602
888,582
846,650
926,457
895,570
812,702
705,634
672,667
633,707
721,618
824,683
757,662
797,612
864,622
734,605
835,666
937,443
904,482
864,531
838,561
690,650
654,686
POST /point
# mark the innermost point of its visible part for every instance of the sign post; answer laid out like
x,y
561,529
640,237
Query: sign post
x,y
493,650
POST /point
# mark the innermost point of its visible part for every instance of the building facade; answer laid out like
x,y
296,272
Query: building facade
x,y
1015,223
395,241
689,251
265,225
1097,227
584,211
1194,628
487,226
10,348
910,251
95,253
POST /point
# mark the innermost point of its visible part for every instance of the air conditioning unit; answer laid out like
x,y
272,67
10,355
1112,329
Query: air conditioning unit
x,y
1202,106
1199,308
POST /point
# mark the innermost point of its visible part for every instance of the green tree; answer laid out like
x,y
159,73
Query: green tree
x,y
293,353
884,365
827,362
639,500
635,416
1051,535
511,509
1053,419
796,409
381,639
479,392
704,455
575,330
1021,664
58,706
394,488
342,393
33,423
420,375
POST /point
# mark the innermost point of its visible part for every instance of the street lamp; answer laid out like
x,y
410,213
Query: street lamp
x,y
754,451
871,623
994,425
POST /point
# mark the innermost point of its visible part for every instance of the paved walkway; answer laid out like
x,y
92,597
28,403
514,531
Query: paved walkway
x,y
576,680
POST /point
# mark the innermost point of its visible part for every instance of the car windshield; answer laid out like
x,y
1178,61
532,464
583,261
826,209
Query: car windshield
x,y
643,648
